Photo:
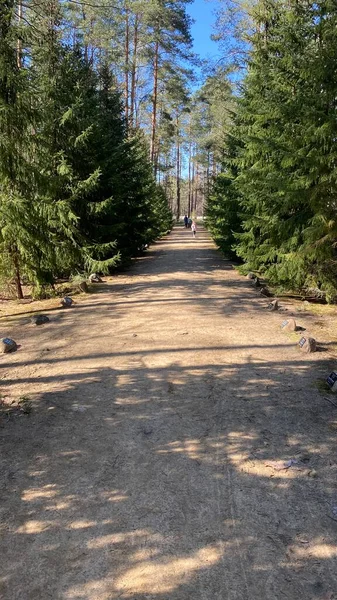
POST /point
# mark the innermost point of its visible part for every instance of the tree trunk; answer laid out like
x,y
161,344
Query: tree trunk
x,y
189,178
19,40
154,101
207,172
84,19
196,190
214,165
192,185
19,292
178,177
133,72
127,55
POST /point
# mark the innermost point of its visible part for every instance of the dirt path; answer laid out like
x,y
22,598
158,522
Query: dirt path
x,y
146,469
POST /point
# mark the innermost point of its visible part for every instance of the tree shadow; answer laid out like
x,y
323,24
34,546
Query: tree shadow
x,y
155,470
172,483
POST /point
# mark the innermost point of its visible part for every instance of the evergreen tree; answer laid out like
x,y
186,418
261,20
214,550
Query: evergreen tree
x,y
223,211
287,176
23,230
77,190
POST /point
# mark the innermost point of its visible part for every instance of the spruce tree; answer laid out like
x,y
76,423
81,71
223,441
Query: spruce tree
x,y
223,211
21,226
287,178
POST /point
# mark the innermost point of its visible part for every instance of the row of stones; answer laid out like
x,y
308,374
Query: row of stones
x,y
306,344
9,345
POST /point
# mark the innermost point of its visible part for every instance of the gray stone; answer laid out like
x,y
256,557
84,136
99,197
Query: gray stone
x,y
8,345
289,325
308,345
250,276
94,278
332,381
273,305
40,319
265,292
67,302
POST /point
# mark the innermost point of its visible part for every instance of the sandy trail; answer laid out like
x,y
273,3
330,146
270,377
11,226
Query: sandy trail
x,y
148,466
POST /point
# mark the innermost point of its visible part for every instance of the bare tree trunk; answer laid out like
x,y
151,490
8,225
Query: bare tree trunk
x,y
14,251
19,40
84,19
178,174
154,101
157,159
207,172
189,178
133,72
192,186
137,105
17,277
196,190
92,42
213,165
127,56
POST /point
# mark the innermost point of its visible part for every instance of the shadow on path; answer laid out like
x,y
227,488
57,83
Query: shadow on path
x,y
155,467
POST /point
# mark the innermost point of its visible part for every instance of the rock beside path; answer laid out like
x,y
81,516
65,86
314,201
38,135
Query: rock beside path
x,y
265,292
8,345
289,325
67,302
40,319
94,278
273,305
308,345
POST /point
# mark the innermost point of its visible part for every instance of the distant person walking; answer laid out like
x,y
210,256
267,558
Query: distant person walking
x,y
194,229
189,222
186,221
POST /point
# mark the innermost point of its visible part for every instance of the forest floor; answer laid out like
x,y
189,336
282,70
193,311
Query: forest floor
x,y
178,444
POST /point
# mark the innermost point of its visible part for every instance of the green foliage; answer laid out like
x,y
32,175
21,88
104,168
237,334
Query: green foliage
x,y
286,182
223,217
76,192
223,211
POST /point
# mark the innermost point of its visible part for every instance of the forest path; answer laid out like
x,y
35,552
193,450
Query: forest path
x,y
146,469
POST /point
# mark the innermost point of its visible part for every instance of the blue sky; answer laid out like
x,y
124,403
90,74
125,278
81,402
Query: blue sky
x,y
202,11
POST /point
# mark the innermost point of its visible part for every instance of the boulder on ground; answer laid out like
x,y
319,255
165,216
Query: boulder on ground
x,y
40,319
8,345
250,276
289,325
94,278
265,292
332,381
308,344
84,287
67,302
273,305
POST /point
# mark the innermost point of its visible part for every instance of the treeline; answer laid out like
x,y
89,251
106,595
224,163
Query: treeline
x,y
149,49
274,204
78,191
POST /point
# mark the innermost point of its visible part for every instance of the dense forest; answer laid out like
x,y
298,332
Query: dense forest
x,y
110,126
273,205
80,84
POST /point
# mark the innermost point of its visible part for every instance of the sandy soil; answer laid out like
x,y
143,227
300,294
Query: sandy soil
x,y
155,461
